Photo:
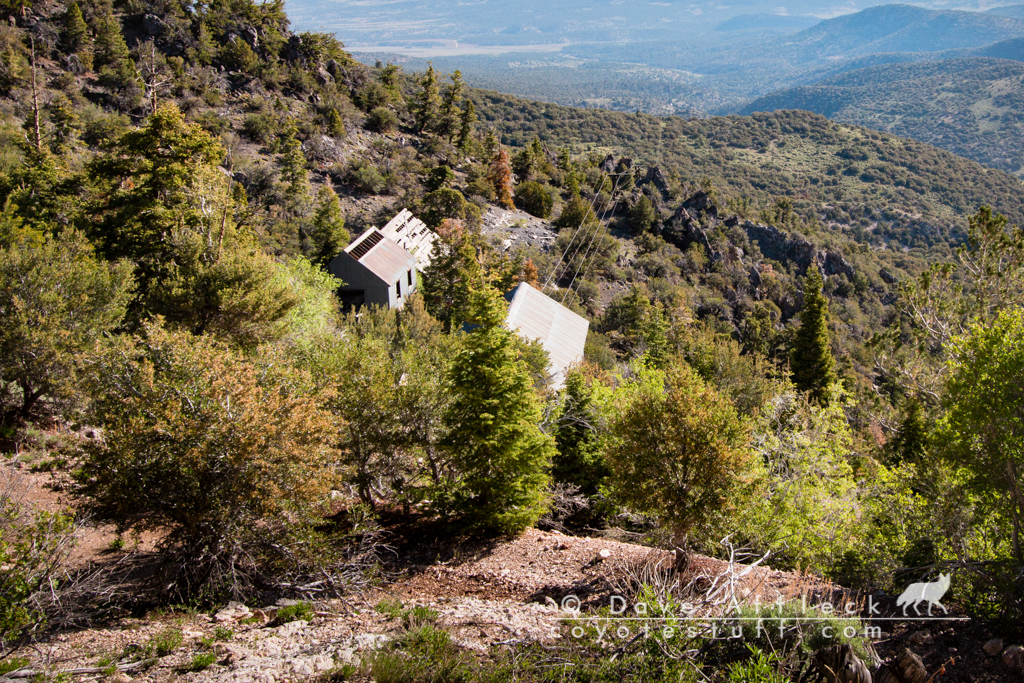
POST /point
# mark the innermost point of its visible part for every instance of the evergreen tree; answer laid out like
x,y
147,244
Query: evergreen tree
x,y
448,125
522,164
579,461
65,124
117,70
328,235
293,169
500,454
452,275
910,443
110,48
75,36
678,453
641,215
390,78
813,365
162,203
576,212
641,326
335,126
57,300
500,178
428,102
466,127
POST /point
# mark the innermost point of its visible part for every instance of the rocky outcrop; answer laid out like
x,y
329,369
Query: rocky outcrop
x,y
701,203
656,178
785,248
683,229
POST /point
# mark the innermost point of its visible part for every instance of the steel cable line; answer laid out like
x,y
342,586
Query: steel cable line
x,y
567,246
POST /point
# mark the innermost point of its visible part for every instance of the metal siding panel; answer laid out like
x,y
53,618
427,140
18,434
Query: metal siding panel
x,y
562,333
388,261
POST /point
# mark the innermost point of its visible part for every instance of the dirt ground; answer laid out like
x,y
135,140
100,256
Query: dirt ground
x,y
486,593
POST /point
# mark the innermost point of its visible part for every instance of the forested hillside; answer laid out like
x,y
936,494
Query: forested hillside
x,y
971,107
805,338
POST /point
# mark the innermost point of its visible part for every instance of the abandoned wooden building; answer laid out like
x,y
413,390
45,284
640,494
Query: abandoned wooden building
x,y
375,270
413,235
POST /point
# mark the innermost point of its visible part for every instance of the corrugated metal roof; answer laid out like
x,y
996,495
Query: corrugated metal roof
x,y
385,259
562,333
412,234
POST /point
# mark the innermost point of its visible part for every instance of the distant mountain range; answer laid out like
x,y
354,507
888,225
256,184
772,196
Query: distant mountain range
x,y
710,68
1015,11
973,107
901,28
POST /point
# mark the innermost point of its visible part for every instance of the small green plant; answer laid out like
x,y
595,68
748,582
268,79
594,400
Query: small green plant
x,y
222,634
418,616
390,607
12,664
302,610
200,661
761,667
117,544
345,672
164,643
424,654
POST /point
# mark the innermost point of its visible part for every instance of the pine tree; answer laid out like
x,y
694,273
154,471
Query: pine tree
x,y
500,178
530,274
110,48
452,275
293,169
328,235
498,450
579,461
428,102
65,124
389,78
466,127
812,363
448,125
75,36
910,443
335,126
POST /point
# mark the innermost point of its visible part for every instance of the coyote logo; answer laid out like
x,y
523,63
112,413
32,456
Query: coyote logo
x,y
930,592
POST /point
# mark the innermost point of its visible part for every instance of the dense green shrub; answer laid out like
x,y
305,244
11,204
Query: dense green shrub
x,y
381,119
535,199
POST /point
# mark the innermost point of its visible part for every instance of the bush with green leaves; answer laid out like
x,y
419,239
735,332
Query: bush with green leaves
x,y
982,431
366,177
231,458
423,654
57,301
535,199
34,547
759,667
381,119
678,450
300,611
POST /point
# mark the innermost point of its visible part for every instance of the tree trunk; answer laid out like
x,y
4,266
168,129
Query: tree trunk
x,y
29,398
681,547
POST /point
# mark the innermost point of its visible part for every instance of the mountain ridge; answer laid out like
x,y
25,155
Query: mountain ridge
x,y
968,106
